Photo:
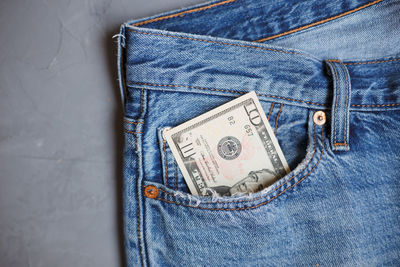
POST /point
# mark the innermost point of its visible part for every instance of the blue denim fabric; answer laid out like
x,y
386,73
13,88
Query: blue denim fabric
x,y
340,204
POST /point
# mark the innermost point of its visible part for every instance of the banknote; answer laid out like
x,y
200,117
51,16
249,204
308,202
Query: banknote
x,y
228,150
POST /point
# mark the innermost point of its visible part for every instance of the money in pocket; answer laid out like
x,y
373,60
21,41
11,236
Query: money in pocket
x,y
228,150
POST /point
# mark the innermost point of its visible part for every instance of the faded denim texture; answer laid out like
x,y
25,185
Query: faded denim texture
x,y
340,204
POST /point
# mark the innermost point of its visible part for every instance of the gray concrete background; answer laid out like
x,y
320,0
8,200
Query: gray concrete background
x,y
61,130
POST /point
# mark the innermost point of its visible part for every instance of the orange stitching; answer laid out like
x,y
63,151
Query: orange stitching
x,y
165,165
347,101
226,91
334,60
175,175
270,110
340,144
262,203
132,132
377,105
132,122
183,13
253,199
215,42
337,97
318,22
277,117
371,62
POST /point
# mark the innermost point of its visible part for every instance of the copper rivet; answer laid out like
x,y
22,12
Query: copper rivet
x,y
151,191
319,118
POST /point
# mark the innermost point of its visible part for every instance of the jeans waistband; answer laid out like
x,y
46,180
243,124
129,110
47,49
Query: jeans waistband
x,y
178,51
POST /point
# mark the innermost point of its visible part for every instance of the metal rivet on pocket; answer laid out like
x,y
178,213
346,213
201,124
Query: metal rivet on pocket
x,y
319,118
151,191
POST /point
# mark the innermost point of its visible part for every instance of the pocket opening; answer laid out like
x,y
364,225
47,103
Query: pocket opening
x,y
314,152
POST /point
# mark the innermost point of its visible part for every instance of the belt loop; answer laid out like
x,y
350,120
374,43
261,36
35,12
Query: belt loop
x,y
340,123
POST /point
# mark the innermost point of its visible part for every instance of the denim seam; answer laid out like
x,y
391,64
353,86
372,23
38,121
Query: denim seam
x,y
371,62
224,90
263,196
270,110
265,202
181,14
277,119
317,22
133,122
139,233
132,132
218,42
376,105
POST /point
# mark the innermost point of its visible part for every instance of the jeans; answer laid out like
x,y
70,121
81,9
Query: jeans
x,y
340,203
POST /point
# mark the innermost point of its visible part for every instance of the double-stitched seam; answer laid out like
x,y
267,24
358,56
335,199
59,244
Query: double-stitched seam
x,y
218,42
347,101
133,122
183,13
175,174
224,90
132,132
263,196
165,164
139,233
371,62
337,100
318,22
262,203
277,119
377,105
270,110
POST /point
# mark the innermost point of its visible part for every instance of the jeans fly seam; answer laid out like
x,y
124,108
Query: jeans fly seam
x,y
317,22
224,90
219,42
183,13
277,119
263,196
347,101
262,203
270,110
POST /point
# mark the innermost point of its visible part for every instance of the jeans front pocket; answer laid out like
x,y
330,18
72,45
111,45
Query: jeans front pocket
x,y
201,230
301,170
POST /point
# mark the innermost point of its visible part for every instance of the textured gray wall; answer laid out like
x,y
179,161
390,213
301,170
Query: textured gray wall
x,y
60,130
